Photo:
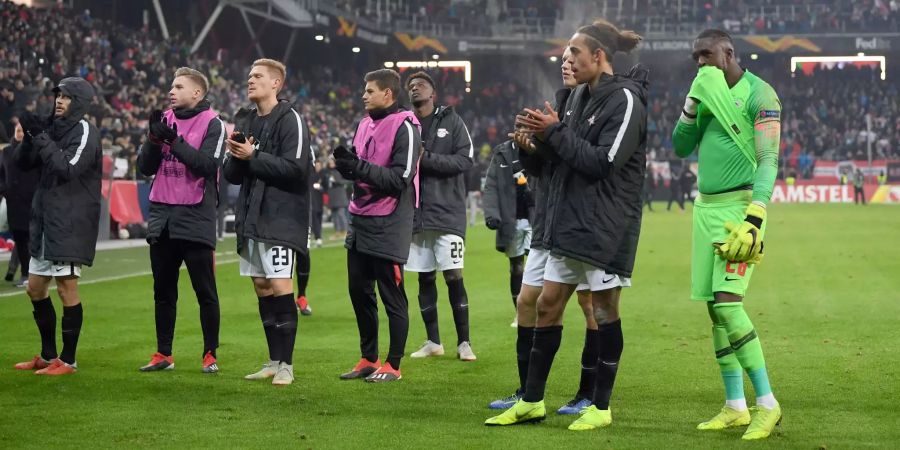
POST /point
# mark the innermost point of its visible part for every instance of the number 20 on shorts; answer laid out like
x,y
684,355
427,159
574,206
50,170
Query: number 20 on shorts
x,y
741,268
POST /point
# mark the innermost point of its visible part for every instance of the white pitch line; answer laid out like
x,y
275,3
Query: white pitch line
x,y
147,272
113,278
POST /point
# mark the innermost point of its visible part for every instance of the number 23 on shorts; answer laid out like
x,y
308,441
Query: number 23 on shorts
x,y
281,256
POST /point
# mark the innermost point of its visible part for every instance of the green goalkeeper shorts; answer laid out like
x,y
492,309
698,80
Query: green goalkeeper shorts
x,y
709,272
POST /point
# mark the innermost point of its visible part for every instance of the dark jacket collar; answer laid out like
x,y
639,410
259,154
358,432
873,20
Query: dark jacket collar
x,y
381,113
187,113
441,111
244,117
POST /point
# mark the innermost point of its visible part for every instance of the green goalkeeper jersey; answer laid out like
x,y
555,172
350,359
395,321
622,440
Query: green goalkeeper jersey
x,y
737,131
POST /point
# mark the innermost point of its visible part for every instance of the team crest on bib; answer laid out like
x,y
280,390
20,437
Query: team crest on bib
x,y
442,132
738,102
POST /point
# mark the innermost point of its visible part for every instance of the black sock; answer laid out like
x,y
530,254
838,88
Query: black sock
x,y
589,359
611,344
459,301
516,270
303,268
267,315
71,329
286,326
524,341
428,305
546,343
45,318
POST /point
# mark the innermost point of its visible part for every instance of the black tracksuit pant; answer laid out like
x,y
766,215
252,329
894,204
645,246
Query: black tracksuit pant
x,y
316,223
675,195
21,238
166,256
365,271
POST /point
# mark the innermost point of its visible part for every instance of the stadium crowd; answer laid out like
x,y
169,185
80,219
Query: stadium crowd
x,y
824,114
767,16
461,17
472,17
130,68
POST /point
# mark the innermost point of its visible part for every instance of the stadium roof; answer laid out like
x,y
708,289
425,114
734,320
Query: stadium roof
x,y
292,13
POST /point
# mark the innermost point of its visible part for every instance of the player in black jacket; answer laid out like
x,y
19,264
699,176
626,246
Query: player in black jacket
x,y
183,200
65,217
382,166
509,205
540,162
269,156
593,213
440,227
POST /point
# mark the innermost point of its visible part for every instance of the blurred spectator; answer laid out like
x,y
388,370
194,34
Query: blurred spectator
x,y
338,201
859,186
317,204
473,188
675,194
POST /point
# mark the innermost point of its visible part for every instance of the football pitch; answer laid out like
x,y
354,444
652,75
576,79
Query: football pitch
x,y
825,301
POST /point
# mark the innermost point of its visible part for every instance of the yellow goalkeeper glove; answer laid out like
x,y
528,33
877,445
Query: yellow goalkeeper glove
x,y
744,242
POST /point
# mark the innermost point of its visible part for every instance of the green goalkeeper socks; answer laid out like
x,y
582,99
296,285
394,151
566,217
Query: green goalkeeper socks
x,y
745,344
730,368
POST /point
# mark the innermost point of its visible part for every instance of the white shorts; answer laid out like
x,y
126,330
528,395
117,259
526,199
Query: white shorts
x,y
521,241
433,250
261,260
534,267
44,268
561,269
534,270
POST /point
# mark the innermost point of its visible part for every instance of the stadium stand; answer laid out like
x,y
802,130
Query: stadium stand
x,y
824,113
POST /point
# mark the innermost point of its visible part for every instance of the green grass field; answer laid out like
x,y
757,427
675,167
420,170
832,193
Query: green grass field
x,y
825,303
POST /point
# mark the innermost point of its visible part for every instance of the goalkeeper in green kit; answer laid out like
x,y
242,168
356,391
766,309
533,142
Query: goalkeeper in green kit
x,y
733,118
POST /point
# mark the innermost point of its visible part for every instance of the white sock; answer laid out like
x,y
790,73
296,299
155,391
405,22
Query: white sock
x,y
737,405
767,401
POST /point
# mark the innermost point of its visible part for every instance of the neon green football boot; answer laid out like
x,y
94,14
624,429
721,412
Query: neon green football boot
x,y
726,418
521,412
764,421
591,419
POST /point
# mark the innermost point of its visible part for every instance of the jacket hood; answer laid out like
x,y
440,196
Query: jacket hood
x,y
639,78
283,107
636,81
82,94
442,110
561,96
